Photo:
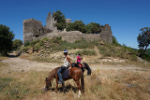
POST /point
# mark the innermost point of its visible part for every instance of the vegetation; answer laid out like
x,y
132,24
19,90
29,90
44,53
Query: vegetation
x,y
107,50
93,28
26,44
6,40
144,41
16,44
87,52
76,26
115,42
80,26
103,84
61,20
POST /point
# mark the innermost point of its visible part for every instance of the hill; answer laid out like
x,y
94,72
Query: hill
x,y
92,51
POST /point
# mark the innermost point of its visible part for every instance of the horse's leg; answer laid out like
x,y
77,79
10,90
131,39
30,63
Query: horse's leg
x,y
56,85
79,87
63,85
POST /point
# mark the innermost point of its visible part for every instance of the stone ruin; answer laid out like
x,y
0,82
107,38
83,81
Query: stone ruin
x,y
33,29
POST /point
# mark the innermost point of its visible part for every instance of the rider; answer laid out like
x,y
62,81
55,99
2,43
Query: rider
x,y
66,65
79,62
79,58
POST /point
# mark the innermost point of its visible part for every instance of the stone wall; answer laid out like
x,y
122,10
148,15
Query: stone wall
x,y
33,29
72,36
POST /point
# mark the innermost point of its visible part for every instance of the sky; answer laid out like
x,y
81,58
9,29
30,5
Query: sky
x,y
126,17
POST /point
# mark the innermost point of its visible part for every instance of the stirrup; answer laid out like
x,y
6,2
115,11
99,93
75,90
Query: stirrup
x,y
59,82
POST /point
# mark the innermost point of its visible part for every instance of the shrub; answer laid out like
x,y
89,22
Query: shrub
x,y
26,44
146,56
37,47
45,39
25,49
115,42
34,42
87,52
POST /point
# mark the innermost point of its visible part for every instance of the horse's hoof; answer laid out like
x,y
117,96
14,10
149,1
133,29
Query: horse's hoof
x,y
44,90
56,91
79,94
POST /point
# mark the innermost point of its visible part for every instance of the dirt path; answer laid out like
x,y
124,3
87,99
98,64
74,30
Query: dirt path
x,y
19,64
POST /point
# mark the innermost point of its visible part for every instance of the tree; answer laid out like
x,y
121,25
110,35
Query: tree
x,y
77,26
93,27
6,37
144,39
60,20
16,44
115,42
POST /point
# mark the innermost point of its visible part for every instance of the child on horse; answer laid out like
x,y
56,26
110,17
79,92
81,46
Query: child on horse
x,y
80,65
79,59
66,65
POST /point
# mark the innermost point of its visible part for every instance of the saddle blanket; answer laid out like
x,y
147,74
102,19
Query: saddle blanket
x,y
65,74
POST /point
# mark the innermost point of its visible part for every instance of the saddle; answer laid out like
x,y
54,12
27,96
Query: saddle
x,y
65,73
80,65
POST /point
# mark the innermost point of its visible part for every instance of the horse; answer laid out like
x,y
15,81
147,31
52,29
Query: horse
x,y
83,66
73,73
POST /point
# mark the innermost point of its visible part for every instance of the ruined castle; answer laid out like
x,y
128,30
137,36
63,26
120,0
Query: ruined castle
x,y
33,29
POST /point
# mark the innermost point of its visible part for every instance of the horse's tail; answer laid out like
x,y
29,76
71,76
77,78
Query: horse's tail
x,y
82,81
88,68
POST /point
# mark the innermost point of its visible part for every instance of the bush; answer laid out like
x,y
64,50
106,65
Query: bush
x,y
45,39
146,56
16,44
25,49
26,44
37,47
34,42
133,58
115,42
87,52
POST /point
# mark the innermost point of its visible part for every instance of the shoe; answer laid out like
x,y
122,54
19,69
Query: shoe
x,y
59,82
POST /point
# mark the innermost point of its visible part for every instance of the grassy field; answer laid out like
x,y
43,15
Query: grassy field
x,y
102,85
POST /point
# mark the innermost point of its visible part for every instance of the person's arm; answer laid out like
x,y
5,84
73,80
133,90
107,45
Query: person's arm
x,y
68,58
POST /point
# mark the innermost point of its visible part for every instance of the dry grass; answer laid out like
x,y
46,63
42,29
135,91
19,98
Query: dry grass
x,y
119,85
102,85
2,58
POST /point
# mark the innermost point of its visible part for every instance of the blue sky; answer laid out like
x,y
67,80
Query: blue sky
x,y
125,17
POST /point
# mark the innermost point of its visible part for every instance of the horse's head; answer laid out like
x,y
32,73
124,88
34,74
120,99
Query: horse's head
x,y
47,83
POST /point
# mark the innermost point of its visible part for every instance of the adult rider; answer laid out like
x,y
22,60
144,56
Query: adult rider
x,y
66,65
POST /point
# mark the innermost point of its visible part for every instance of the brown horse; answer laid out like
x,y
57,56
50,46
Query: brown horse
x,y
75,73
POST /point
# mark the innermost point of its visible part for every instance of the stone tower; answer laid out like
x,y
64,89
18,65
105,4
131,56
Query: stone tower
x,y
33,29
50,21
106,33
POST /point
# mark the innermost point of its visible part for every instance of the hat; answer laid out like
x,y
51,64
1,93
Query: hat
x,y
65,51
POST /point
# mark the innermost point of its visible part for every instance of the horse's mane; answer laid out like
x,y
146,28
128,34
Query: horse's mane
x,y
52,74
